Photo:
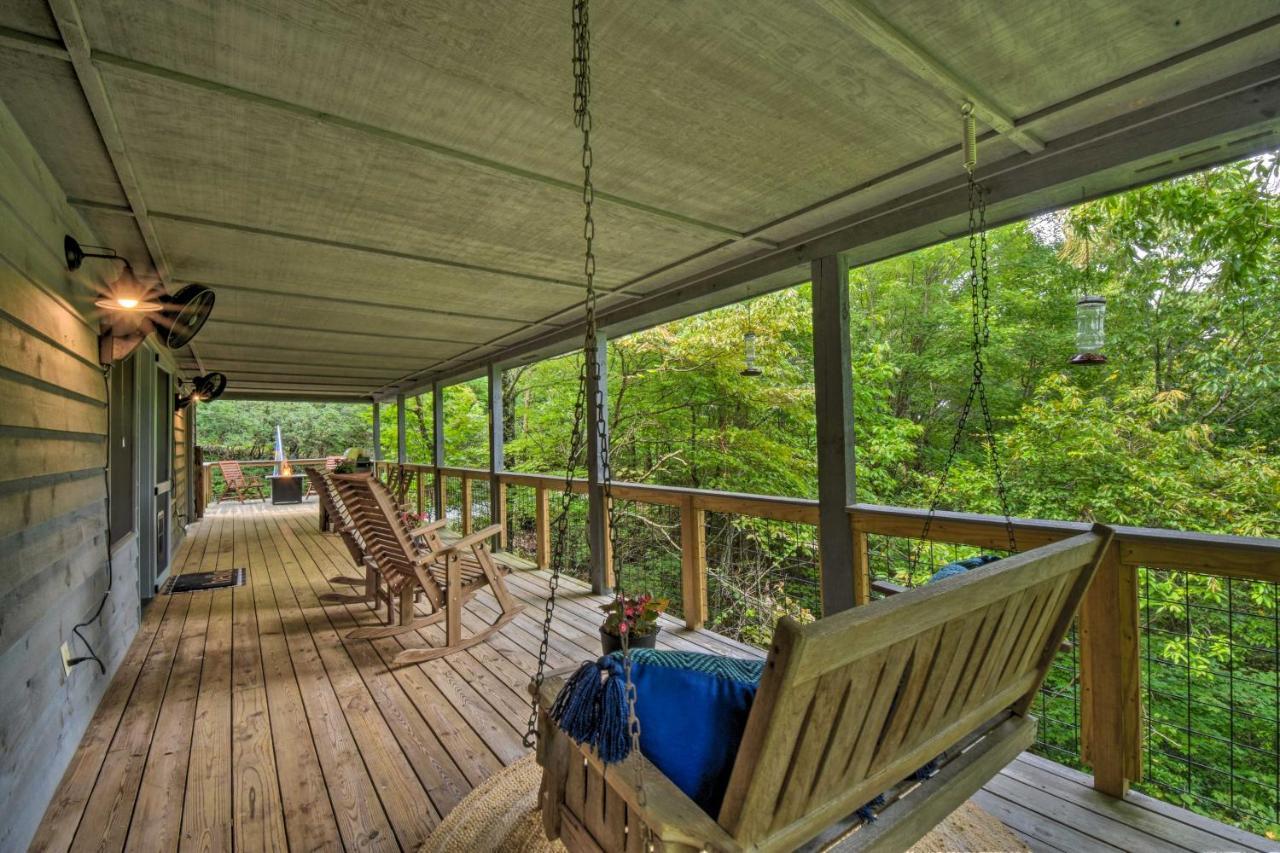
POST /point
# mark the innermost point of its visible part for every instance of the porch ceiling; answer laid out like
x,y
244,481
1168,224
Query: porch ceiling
x,y
385,195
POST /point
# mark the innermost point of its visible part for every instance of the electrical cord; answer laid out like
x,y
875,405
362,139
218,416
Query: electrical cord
x,y
97,613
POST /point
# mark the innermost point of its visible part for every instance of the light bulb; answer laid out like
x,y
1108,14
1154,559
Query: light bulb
x,y
127,304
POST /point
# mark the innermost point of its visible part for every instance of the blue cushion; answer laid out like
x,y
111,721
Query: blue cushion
x,y
693,709
959,567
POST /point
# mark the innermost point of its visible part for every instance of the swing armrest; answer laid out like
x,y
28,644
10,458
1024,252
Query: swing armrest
x,y
667,811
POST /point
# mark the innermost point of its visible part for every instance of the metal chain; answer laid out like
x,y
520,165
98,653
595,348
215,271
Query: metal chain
x,y
588,377
980,312
582,120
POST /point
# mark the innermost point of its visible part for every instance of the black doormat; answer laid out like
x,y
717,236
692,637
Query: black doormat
x,y
193,581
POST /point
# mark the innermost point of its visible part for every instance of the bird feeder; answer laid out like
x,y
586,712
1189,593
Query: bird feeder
x,y
1091,312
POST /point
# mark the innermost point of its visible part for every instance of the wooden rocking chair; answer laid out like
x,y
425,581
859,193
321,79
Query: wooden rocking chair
x,y
339,521
236,482
411,559
847,708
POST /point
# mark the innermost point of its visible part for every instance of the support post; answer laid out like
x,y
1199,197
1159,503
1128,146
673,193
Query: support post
x,y
861,564
1110,681
833,399
597,511
437,446
693,563
402,452
466,506
377,436
420,505
497,493
542,523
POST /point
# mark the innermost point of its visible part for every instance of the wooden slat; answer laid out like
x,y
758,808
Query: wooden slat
x,y
309,817
256,807
157,809
105,822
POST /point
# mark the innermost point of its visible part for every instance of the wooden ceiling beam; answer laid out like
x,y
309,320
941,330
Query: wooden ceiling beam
x,y
367,303
89,204
67,16
901,48
29,43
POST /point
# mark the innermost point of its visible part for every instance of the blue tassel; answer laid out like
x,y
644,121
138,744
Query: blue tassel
x,y
592,709
867,812
926,771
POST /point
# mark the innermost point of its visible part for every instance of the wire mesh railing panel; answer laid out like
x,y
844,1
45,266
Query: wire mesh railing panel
x,y
758,571
577,555
1211,695
481,504
648,558
453,502
522,521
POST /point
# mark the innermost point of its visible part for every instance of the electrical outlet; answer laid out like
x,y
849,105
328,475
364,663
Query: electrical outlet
x,y
66,658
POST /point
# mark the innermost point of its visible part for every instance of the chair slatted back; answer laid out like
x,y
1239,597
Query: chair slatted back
x,y
850,705
232,473
337,512
387,538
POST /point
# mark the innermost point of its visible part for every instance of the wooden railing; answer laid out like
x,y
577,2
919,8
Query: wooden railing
x,y
1111,722
207,478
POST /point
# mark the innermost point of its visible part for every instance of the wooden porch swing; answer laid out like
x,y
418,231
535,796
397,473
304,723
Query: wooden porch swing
x,y
867,728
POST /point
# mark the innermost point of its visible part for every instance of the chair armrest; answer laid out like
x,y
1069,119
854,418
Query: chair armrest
x,y
474,539
428,528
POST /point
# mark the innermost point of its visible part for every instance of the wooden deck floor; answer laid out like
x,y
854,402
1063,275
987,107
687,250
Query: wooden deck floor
x,y
243,719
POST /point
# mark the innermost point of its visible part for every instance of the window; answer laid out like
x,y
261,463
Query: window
x,y
121,456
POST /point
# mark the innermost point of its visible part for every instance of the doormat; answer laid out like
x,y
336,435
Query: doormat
x,y
193,581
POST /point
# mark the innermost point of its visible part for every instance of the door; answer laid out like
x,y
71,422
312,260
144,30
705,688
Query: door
x,y
163,470
155,473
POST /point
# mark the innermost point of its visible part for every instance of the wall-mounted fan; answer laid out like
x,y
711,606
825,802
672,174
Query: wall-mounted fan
x,y
132,310
203,389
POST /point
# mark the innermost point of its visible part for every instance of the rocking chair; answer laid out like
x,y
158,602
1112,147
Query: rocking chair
x,y
848,708
413,560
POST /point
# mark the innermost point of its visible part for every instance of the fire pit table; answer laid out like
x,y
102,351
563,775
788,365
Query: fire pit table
x,y
286,488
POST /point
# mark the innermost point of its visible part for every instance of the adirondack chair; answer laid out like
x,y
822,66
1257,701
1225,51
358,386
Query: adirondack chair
x,y
238,483
847,709
411,559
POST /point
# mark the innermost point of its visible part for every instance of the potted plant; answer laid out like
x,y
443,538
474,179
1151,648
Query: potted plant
x,y
636,617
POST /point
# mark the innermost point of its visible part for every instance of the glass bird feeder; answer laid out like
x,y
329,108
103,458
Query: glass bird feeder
x,y
1091,312
749,355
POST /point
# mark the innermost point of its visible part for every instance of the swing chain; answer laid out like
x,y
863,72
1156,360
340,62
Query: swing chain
x,y
980,310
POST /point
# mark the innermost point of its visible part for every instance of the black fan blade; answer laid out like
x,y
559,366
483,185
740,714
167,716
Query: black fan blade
x,y
185,313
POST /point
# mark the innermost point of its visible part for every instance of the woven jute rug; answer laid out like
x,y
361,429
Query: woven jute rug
x,y
502,816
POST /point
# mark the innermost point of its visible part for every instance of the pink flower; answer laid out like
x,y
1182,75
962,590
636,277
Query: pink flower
x,y
622,627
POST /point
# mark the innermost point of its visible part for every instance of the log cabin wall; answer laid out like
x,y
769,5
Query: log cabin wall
x,y
53,512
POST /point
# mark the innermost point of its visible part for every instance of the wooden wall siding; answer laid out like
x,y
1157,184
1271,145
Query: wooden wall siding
x,y
53,537
181,476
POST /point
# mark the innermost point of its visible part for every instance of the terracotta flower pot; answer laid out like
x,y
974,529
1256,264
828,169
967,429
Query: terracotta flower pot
x,y
611,643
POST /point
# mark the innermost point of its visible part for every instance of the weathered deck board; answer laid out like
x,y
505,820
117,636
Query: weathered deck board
x,y
243,718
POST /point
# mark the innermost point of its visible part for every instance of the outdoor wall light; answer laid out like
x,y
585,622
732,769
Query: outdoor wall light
x,y
203,389
130,305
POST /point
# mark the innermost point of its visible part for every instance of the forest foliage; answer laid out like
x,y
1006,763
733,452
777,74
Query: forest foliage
x,y
1180,429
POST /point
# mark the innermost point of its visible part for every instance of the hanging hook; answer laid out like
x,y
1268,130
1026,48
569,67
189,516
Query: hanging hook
x,y
970,137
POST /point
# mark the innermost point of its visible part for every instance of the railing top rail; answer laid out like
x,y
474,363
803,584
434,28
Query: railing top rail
x,y
1247,557
308,461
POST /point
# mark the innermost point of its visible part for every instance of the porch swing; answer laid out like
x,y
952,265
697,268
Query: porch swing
x,y
863,729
